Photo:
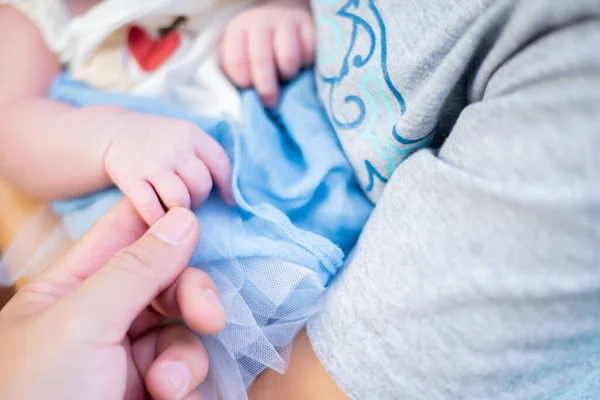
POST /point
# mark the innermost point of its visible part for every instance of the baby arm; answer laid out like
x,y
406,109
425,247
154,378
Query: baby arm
x,y
272,40
56,151
43,148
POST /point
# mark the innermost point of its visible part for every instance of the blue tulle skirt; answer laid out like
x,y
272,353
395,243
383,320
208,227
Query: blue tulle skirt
x,y
299,212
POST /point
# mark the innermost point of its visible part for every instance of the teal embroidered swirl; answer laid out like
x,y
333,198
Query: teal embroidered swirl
x,y
380,101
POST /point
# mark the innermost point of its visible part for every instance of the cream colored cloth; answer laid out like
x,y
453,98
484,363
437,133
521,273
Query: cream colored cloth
x,y
121,45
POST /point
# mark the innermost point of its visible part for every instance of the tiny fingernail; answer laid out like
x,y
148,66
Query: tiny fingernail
x,y
269,101
174,226
231,200
179,378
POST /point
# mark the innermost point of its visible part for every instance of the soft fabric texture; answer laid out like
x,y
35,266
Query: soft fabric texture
x,y
299,212
121,45
478,274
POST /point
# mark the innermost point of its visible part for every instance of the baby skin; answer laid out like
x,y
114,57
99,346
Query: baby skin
x,y
55,151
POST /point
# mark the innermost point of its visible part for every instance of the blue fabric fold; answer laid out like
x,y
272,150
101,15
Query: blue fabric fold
x,y
299,212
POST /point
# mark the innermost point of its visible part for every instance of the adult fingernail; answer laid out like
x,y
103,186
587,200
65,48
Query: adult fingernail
x,y
178,377
175,226
213,298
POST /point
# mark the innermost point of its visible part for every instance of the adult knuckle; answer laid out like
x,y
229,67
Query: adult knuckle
x,y
135,264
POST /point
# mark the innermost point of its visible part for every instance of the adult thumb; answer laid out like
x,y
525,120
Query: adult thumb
x,y
110,300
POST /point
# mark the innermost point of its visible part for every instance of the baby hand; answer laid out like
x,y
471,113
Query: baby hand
x,y
163,163
276,36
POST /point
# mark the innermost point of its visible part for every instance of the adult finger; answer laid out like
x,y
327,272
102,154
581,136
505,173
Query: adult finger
x,y
148,320
105,305
179,365
118,228
194,297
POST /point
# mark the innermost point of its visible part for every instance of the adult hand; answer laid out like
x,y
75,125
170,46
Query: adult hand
x,y
85,329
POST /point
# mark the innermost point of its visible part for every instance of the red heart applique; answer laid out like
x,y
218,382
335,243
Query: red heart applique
x,y
151,53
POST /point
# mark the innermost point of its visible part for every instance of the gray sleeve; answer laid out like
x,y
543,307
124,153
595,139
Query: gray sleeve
x,y
478,275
